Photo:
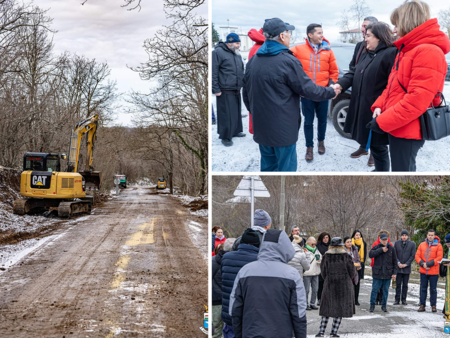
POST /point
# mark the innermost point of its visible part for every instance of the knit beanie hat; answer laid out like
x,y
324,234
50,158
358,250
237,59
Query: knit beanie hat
x,y
404,232
262,218
251,237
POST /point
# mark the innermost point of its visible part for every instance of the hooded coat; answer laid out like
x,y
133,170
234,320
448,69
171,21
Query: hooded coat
x,y
430,254
405,254
338,295
321,67
301,260
276,72
232,262
227,69
268,297
368,80
420,67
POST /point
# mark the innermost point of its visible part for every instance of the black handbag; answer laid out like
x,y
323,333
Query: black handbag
x,y
435,122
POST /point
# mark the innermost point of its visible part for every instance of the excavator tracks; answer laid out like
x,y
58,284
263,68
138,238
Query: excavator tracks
x,y
67,209
21,207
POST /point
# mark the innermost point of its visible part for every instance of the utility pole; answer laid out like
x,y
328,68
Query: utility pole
x,y
282,202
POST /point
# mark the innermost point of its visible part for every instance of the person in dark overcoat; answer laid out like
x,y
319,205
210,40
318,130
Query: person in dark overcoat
x,y
368,80
406,252
338,299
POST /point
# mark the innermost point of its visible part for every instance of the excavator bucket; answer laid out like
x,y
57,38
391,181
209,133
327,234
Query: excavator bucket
x,y
93,179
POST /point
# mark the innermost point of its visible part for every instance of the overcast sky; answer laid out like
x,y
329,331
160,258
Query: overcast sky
x,y
300,13
105,31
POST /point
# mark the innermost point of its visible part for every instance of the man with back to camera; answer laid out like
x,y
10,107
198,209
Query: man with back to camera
x,y
320,65
227,75
273,82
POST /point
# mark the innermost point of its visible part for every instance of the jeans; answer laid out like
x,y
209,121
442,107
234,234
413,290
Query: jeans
x,y
228,331
402,286
313,282
403,153
278,158
424,279
321,110
376,285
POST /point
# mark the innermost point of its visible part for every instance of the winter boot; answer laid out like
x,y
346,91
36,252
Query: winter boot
x,y
360,152
309,154
372,308
321,148
421,308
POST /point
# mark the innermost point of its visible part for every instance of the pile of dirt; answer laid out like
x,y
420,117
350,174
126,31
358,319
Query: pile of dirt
x,y
100,197
198,205
9,187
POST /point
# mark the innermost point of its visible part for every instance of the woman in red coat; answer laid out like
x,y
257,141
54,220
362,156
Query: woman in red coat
x,y
420,67
220,238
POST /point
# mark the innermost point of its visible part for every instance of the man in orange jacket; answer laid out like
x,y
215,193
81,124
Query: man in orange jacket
x,y
319,63
428,256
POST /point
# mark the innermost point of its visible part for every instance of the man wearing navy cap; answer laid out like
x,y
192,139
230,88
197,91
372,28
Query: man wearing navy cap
x,y
273,82
227,81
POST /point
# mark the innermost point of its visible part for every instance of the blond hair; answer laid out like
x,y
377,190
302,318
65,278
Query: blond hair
x,y
409,16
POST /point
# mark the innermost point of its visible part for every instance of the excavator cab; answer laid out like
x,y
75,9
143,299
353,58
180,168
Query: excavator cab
x,y
41,162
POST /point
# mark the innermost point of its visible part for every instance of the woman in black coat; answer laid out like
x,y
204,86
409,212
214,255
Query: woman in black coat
x,y
323,242
338,300
368,80
361,246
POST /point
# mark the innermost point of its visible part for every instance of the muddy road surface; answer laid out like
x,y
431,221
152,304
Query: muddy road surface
x,y
129,269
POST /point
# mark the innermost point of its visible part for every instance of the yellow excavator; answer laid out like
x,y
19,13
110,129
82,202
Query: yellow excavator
x,y
44,186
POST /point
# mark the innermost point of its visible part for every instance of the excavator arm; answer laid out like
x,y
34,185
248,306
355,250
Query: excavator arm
x,y
86,127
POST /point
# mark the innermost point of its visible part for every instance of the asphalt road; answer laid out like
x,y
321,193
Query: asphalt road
x,y
127,270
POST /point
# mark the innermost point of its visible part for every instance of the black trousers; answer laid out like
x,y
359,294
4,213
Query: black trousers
x,y
402,286
403,153
357,291
319,292
229,118
381,157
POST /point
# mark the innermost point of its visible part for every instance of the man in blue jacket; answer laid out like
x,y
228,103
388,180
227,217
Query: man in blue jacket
x,y
232,262
268,297
273,82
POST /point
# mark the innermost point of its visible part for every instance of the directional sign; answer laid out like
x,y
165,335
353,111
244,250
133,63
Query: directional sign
x,y
245,187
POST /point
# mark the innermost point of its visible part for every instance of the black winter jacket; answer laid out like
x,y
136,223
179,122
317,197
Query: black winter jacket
x,y
217,278
368,81
272,88
232,262
359,50
385,263
405,254
227,69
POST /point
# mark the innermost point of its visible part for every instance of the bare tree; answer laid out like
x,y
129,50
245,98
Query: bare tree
x,y
359,10
444,19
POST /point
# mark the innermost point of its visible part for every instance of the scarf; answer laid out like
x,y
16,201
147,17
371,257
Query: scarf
x,y
270,48
360,243
220,238
310,249
323,247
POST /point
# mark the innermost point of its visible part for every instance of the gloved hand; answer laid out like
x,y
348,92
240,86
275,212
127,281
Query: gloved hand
x,y
374,126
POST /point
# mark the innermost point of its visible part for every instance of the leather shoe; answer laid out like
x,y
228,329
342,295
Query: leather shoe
x,y
312,306
309,154
308,307
227,143
241,134
321,149
404,302
396,302
372,307
357,303
360,152
371,162
421,308
433,308
383,308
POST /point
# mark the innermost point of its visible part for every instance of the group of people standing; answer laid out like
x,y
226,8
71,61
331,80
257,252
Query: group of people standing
x,y
264,282
395,76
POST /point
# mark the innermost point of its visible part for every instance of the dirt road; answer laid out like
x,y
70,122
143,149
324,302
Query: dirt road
x,y
128,270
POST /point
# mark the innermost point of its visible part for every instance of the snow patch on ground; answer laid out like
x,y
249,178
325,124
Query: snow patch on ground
x,y
186,200
244,155
198,233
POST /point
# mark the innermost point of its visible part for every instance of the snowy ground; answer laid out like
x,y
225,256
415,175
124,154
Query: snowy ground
x,y
244,154
401,321
185,200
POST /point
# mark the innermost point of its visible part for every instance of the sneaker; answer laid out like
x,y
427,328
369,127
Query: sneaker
x,y
312,306
372,308
421,308
371,162
383,308
309,154
240,135
360,152
227,143
321,149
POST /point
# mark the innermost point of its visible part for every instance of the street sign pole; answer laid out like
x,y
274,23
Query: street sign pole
x,y
252,187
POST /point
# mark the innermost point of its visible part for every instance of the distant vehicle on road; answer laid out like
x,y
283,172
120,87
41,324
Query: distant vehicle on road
x,y
122,181
161,183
